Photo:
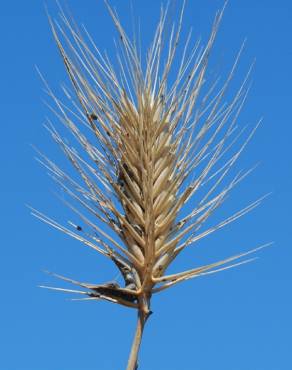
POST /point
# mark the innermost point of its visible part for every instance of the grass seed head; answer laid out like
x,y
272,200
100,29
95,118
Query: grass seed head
x,y
153,147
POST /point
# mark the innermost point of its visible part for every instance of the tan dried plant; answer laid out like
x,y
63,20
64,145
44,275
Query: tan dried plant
x,y
152,145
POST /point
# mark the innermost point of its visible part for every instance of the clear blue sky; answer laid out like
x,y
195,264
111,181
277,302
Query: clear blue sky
x,y
236,320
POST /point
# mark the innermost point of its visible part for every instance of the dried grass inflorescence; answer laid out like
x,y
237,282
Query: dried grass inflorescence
x,y
156,145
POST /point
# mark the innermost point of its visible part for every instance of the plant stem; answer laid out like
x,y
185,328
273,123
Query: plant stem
x,y
133,358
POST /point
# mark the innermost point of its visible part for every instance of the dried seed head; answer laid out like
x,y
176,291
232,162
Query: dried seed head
x,y
157,145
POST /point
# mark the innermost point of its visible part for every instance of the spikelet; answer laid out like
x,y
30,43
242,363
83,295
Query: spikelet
x,y
154,147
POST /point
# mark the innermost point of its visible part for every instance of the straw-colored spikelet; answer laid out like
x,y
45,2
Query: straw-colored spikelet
x,y
153,147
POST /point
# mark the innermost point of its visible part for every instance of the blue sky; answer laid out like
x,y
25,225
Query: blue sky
x,y
236,320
